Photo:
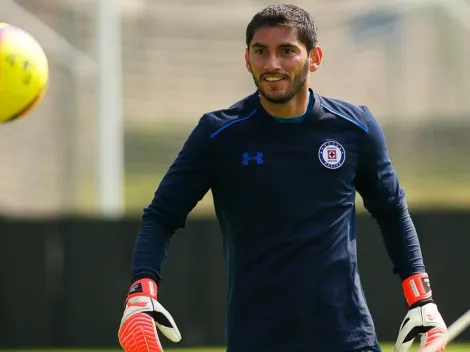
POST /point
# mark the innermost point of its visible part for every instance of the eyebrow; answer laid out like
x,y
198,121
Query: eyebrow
x,y
283,45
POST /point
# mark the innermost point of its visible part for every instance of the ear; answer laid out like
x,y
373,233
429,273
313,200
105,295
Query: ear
x,y
316,55
247,61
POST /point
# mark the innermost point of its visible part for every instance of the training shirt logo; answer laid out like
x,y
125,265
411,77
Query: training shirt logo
x,y
256,158
332,155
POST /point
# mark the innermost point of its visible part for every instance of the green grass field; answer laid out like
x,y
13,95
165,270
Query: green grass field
x,y
433,177
453,347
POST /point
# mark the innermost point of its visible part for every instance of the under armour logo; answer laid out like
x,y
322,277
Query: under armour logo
x,y
247,158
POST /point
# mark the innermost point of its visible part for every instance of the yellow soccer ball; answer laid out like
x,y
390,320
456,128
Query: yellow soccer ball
x,y
24,73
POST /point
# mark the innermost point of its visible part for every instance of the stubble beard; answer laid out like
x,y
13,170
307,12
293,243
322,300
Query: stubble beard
x,y
297,84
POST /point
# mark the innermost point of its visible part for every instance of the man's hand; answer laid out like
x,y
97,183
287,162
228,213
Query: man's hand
x,y
423,318
137,332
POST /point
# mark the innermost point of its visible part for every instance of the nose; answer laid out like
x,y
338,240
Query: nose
x,y
272,63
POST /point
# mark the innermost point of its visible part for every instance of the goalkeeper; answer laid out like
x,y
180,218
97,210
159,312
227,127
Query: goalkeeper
x,y
284,165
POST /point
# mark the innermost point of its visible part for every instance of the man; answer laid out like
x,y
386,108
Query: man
x,y
284,165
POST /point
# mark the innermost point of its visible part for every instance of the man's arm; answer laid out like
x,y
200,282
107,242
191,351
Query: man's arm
x,y
186,182
383,197
385,200
184,185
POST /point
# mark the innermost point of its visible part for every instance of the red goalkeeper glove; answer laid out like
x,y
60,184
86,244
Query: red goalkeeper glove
x,y
143,313
423,318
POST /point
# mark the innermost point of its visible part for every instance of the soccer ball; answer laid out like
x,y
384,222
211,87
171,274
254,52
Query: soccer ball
x,y
24,73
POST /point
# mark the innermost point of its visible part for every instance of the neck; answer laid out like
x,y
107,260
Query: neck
x,y
293,108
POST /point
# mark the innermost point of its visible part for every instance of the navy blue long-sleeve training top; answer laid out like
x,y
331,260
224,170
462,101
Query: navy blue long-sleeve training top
x,y
284,194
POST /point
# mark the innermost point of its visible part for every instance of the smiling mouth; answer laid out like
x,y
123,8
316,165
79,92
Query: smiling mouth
x,y
273,78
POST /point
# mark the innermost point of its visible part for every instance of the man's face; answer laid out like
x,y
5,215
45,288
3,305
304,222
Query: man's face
x,y
279,63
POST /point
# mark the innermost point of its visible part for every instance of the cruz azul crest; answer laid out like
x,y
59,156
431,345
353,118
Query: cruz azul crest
x,y
331,154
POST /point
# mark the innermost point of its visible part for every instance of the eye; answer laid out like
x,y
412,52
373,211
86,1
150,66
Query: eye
x,y
287,51
259,51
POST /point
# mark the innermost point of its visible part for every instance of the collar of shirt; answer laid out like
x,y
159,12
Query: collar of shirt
x,y
312,113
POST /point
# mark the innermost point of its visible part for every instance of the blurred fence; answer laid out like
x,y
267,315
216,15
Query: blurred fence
x,y
182,58
59,274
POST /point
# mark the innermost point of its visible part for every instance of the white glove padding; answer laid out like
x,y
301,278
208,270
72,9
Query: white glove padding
x,y
143,313
425,321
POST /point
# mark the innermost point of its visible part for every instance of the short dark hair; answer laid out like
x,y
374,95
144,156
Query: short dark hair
x,y
282,15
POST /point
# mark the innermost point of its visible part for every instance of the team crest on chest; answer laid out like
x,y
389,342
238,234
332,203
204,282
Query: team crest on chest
x,y
332,154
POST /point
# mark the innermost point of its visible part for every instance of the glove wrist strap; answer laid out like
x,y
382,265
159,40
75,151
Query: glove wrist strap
x,y
417,288
143,287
